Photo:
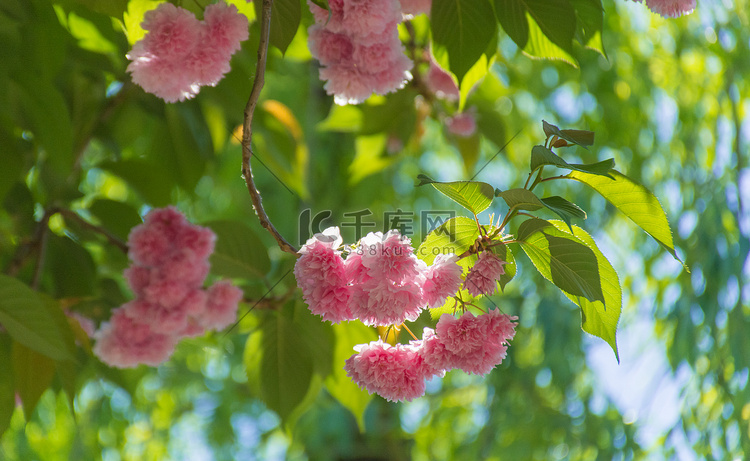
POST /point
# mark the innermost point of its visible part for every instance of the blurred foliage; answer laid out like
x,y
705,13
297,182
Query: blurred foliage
x,y
669,102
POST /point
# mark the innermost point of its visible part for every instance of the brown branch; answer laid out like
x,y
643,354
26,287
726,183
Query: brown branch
x,y
247,130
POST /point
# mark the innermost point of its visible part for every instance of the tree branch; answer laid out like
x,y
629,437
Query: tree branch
x,y
247,130
112,238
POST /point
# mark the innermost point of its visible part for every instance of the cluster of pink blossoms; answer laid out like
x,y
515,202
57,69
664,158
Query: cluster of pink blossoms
x,y
357,44
382,282
179,54
473,344
670,8
169,265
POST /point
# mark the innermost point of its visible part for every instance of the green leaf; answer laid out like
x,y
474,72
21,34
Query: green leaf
x,y
114,8
33,373
7,385
565,209
582,138
239,253
565,261
278,361
154,184
520,199
541,156
341,386
455,236
463,29
285,18
191,144
590,20
133,18
540,28
596,319
63,254
475,196
530,226
504,253
117,217
635,201
32,322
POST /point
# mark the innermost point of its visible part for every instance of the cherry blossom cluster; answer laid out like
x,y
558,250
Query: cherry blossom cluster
x,y
357,45
670,8
169,265
382,282
473,344
180,53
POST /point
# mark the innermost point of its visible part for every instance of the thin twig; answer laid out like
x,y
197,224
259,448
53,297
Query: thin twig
x,y
73,216
247,130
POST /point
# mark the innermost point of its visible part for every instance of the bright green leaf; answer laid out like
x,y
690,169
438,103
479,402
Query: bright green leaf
x,y
455,236
504,253
133,18
635,201
475,196
590,19
463,29
239,253
31,322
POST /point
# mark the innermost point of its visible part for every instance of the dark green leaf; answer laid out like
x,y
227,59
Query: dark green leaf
x,y
475,196
32,322
565,209
521,199
117,217
463,29
541,156
63,254
635,201
285,18
596,319
530,226
582,138
191,146
7,386
279,362
33,373
503,251
239,253
154,184
539,27
590,19
341,386
565,261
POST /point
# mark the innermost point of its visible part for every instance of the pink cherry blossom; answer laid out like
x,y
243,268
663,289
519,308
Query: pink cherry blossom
x,y
671,8
384,302
463,124
396,373
179,54
330,48
484,274
442,279
389,256
320,273
148,245
363,18
124,342
441,82
167,293
333,18
221,306
415,7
